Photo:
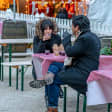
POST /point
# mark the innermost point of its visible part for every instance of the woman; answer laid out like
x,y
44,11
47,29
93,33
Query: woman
x,y
46,37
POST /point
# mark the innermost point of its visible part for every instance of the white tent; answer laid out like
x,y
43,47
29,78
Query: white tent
x,y
100,10
100,15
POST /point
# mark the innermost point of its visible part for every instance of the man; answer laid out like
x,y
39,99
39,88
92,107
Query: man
x,y
85,53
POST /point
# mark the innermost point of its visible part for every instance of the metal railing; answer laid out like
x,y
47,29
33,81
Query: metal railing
x,y
97,26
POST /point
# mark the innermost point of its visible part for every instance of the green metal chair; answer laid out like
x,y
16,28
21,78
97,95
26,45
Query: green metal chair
x,y
108,107
77,105
84,102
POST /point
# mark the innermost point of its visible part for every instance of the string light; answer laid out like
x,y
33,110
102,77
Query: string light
x,y
27,7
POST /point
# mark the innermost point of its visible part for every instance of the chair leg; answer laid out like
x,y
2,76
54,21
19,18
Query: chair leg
x,y
10,59
65,94
108,107
10,76
22,78
77,105
84,103
17,78
2,60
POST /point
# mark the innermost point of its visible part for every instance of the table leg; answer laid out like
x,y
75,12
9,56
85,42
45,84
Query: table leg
x,y
84,103
108,107
0,68
22,78
10,58
2,60
77,105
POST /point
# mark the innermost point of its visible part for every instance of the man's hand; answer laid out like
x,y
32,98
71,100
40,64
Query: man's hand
x,y
66,35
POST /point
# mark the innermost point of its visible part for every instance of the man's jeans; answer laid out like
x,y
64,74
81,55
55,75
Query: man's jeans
x,y
52,90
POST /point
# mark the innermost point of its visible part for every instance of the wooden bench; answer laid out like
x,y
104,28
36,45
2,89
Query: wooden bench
x,y
13,55
19,54
16,65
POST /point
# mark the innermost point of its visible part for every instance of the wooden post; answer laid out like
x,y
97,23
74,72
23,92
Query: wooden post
x,y
14,9
85,7
21,5
76,5
17,6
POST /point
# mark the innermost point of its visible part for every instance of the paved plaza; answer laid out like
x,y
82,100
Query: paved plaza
x,y
32,100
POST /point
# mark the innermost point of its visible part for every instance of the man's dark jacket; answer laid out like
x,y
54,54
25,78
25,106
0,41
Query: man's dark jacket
x,y
86,51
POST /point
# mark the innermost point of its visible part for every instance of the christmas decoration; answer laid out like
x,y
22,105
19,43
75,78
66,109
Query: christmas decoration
x,y
48,7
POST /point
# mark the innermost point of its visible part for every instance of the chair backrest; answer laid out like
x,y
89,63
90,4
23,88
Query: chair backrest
x,y
15,30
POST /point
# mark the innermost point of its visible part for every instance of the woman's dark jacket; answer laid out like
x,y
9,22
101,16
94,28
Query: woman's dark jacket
x,y
40,46
86,51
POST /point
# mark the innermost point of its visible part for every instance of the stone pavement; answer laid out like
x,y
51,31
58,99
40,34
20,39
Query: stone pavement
x,y
32,100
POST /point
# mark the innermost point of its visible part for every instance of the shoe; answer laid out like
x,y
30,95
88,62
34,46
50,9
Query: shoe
x,y
50,109
49,77
40,83
37,83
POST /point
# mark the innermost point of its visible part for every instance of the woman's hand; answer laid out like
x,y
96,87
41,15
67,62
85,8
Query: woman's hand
x,y
61,47
46,37
55,49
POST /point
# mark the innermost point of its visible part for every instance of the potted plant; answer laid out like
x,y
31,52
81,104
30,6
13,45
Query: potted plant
x,y
106,50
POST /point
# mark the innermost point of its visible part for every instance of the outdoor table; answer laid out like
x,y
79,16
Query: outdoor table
x,y
99,81
9,42
1,26
42,61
